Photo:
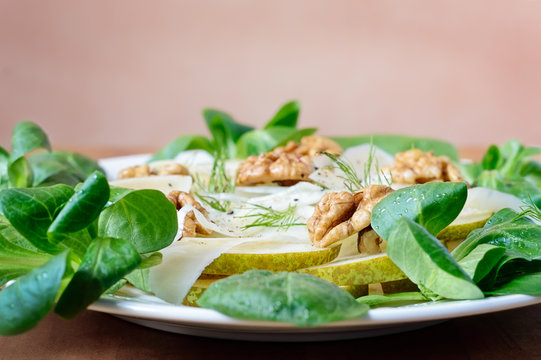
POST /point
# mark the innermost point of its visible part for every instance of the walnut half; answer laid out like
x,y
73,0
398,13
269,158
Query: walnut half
x,y
341,214
417,167
191,225
159,169
285,165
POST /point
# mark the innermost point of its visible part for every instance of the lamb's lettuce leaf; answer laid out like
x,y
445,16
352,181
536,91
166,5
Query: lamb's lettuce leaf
x,y
433,205
106,261
286,116
24,303
144,217
426,262
301,299
27,137
83,207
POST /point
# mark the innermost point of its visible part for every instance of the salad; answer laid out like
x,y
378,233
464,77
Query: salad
x,y
278,223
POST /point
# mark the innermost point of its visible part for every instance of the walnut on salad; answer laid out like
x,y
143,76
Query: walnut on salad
x,y
285,165
417,167
339,215
191,225
161,168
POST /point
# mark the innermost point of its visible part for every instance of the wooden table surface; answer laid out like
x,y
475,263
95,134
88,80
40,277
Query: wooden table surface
x,y
511,334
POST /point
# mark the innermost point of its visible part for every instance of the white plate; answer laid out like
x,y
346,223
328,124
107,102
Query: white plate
x,y
150,311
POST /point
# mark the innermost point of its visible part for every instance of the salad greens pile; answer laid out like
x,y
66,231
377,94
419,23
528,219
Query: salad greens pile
x,y
62,246
230,139
26,166
67,237
509,168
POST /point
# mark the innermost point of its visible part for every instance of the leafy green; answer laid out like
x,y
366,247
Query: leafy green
x,y
286,116
145,218
481,260
16,260
24,303
433,205
20,173
256,142
60,167
509,168
83,207
106,261
34,211
394,299
301,299
230,139
27,137
528,284
517,234
426,262
398,143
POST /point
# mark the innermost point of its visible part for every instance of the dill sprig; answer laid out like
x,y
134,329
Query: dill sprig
x,y
373,160
530,209
269,217
218,182
214,203
350,177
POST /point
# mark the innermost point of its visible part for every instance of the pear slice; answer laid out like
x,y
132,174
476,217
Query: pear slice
x,y
468,220
272,255
358,270
165,184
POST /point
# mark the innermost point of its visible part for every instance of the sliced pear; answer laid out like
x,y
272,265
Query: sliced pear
x,y
165,183
358,270
468,220
271,255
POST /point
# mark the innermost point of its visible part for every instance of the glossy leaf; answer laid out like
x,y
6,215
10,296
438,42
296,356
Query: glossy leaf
x,y
143,217
528,284
35,211
518,235
20,174
256,142
106,261
24,303
183,143
433,205
301,299
4,162
60,167
83,207
16,261
287,116
27,137
479,262
427,263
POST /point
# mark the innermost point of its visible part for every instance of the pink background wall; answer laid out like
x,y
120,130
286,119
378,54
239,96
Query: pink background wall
x,y
134,73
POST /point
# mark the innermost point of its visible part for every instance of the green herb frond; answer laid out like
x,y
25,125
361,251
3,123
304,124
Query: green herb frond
x,y
530,209
350,177
219,181
373,160
214,203
269,217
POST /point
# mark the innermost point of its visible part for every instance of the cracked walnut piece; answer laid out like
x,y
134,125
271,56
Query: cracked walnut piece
x,y
285,165
418,167
159,169
341,214
191,225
